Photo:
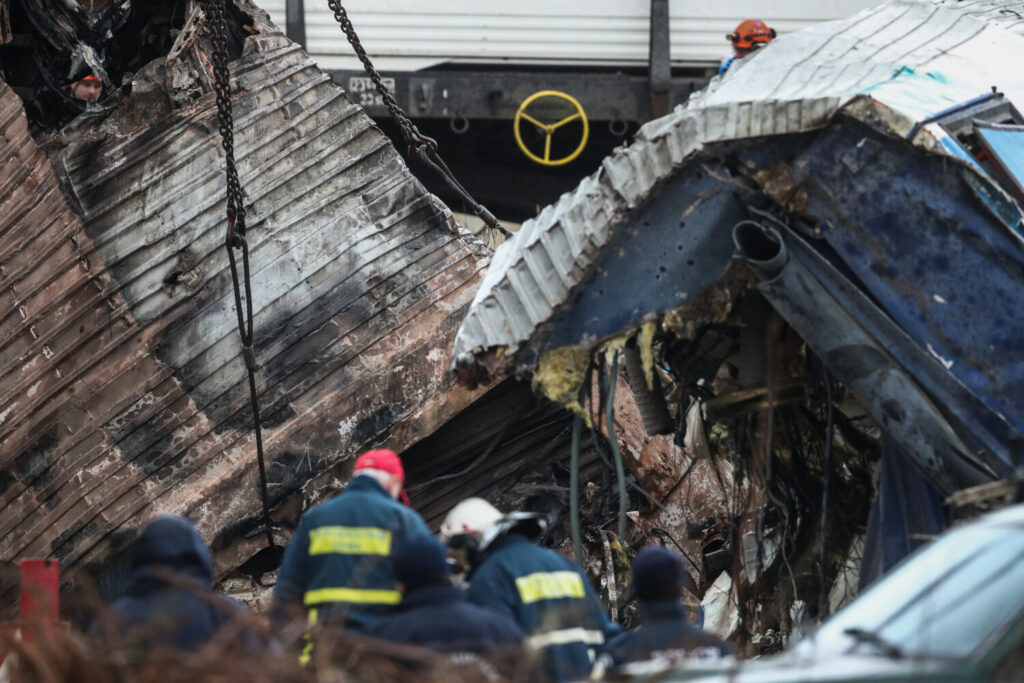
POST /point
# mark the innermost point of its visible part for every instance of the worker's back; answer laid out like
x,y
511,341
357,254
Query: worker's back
x,y
549,598
337,563
170,601
665,629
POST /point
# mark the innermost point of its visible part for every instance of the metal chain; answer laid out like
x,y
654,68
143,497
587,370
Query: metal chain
x,y
425,148
235,237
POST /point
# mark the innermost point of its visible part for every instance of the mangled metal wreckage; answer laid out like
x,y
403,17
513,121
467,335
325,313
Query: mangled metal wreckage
x,y
815,263
123,385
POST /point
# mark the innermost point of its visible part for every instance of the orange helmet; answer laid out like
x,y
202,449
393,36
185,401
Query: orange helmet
x,y
751,32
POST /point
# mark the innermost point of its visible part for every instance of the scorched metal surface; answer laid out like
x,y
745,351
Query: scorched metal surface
x,y
122,382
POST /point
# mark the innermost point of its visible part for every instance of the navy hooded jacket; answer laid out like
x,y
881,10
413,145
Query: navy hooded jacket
x,y
663,628
338,564
170,599
438,616
549,598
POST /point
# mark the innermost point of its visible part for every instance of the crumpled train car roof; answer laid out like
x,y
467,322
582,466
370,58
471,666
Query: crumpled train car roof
x,y
838,124
123,384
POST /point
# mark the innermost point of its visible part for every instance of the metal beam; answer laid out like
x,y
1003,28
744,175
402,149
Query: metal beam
x,y
495,95
295,21
659,59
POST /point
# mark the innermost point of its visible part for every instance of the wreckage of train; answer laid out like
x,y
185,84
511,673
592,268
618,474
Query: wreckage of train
x,y
803,282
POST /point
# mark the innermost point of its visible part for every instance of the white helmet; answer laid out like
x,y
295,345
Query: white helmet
x,y
472,516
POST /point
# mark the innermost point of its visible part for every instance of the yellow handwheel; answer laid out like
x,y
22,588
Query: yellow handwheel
x,y
549,128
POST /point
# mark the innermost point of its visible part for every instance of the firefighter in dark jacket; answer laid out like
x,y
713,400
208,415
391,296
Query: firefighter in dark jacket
x,y
337,565
545,593
658,578
436,614
170,601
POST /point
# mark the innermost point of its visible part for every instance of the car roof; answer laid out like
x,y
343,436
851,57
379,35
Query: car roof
x,y
1013,515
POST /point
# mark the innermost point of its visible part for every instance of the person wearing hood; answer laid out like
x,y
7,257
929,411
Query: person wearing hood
x,y
433,612
170,600
547,595
337,565
659,578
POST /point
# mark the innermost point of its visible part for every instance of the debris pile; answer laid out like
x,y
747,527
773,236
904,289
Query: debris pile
x,y
780,265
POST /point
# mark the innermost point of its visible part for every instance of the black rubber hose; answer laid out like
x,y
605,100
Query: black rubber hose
x,y
826,476
574,490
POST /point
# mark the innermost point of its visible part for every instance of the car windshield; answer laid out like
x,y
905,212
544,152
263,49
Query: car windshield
x,y
943,602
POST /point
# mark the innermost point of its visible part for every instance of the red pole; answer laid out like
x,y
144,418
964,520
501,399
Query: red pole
x,y
40,590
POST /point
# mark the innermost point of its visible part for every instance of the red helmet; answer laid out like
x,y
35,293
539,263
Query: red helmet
x,y
751,32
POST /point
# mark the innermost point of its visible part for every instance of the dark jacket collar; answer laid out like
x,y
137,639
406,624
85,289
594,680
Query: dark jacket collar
x,y
506,541
661,609
361,482
432,594
509,539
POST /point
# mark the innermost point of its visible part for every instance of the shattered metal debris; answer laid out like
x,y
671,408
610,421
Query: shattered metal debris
x,y
862,195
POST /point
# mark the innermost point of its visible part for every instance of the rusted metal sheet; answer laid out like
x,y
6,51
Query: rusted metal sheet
x,y
122,391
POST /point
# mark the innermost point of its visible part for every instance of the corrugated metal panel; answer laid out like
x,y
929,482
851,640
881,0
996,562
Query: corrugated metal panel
x,y
412,34
1007,14
123,386
935,51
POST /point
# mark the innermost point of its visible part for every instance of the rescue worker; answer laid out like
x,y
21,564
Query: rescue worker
x,y
88,88
749,35
170,601
337,565
545,593
433,612
659,578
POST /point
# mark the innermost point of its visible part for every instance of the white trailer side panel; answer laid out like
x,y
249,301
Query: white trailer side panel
x,y
415,34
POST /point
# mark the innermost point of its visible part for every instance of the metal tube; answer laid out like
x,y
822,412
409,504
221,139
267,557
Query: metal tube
x,y
650,402
620,472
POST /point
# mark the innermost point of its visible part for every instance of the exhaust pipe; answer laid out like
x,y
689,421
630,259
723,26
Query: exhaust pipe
x,y
761,247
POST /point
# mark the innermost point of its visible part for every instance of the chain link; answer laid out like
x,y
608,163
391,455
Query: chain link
x,y
235,237
423,147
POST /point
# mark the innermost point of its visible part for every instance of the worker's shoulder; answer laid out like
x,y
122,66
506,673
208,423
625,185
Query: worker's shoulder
x,y
353,507
521,558
543,557
488,618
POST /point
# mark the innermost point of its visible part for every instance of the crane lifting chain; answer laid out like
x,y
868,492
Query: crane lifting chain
x,y
420,145
235,236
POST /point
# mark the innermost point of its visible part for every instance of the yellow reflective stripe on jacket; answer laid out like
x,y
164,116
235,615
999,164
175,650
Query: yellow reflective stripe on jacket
x,y
349,540
364,596
565,636
307,640
549,585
